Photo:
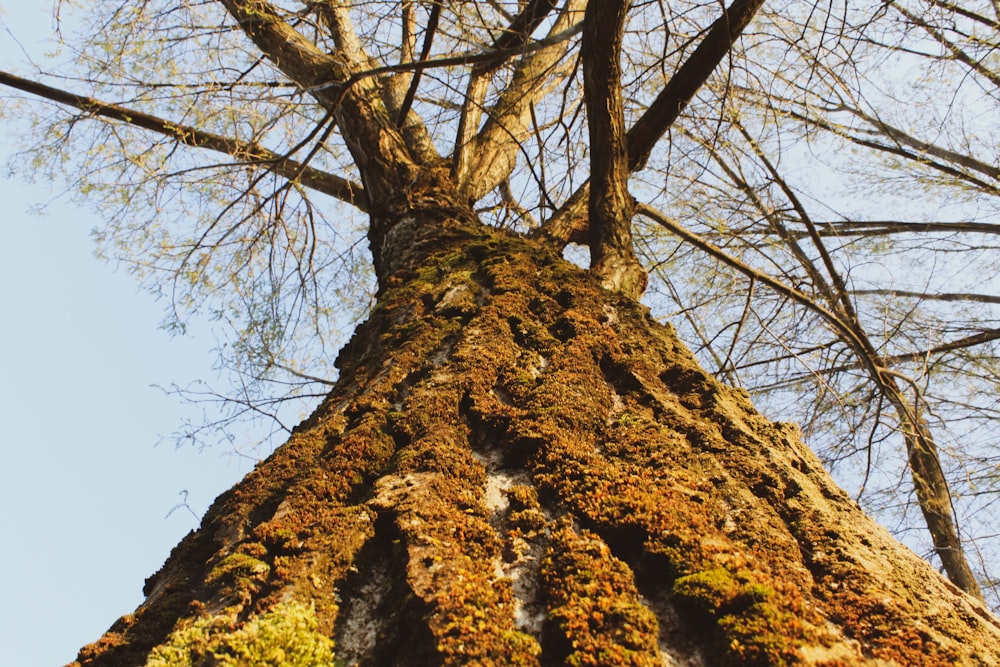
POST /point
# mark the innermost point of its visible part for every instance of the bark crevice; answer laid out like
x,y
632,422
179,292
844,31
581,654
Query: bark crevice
x,y
381,620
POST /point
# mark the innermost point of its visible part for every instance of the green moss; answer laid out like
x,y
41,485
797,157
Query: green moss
x,y
762,635
718,590
437,267
285,636
709,590
757,592
236,568
629,420
756,630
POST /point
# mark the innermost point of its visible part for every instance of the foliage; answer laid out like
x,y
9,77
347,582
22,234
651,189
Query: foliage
x,y
285,636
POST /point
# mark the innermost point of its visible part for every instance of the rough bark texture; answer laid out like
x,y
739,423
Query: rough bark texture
x,y
610,208
519,467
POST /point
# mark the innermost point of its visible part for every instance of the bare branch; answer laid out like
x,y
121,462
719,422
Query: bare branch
x,y
661,114
491,155
612,257
927,296
248,153
956,51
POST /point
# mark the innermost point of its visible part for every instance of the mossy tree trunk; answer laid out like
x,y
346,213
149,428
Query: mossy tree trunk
x,y
520,467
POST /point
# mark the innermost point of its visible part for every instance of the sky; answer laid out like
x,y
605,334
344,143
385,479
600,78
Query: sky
x,y
86,485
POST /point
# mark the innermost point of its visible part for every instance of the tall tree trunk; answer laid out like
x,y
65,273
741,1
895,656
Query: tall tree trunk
x,y
519,467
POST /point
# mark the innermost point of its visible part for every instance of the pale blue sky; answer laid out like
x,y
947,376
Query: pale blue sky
x,y
84,488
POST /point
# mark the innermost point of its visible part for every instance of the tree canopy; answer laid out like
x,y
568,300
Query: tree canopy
x,y
812,190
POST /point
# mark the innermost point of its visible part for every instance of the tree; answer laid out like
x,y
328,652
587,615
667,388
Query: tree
x,y
517,464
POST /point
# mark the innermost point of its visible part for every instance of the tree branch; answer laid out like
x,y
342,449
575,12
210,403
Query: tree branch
x,y
432,23
377,147
250,153
945,158
488,158
669,104
392,84
515,37
867,228
567,222
610,207
924,296
956,52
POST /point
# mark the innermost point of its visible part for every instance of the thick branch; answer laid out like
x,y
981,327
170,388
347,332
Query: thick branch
x,y
612,257
513,38
392,88
377,146
664,110
682,86
488,158
521,26
251,153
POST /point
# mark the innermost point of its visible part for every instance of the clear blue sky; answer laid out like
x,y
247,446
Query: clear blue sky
x,y
84,488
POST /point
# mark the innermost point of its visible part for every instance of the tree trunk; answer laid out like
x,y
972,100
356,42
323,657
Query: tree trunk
x,y
519,467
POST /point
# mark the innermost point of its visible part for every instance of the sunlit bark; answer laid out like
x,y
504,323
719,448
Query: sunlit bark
x,y
517,465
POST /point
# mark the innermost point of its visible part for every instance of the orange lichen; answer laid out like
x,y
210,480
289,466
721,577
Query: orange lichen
x,y
594,604
493,367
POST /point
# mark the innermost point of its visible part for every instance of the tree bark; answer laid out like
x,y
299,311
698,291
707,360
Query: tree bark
x,y
610,207
520,467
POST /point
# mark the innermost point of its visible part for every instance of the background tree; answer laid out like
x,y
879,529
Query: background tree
x,y
544,122
862,75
